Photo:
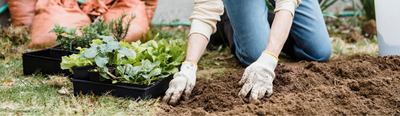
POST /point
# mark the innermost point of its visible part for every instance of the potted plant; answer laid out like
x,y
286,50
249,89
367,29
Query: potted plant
x,y
146,72
89,33
68,43
77,65
107,54
52,57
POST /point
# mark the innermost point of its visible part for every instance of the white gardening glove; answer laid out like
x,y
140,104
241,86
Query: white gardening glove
x,y
258,77
184,80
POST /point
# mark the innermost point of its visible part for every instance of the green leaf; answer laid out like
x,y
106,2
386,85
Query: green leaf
x,y
64,39
174,64
164,42
150,57
119,70
136,44
184,47
90,53
175,51
163,57
153,43
101,60
163,76
179,59
126,77
133,53
58,41
57,25
63,29
71,32
104,69
125,44
155,72
104,76
136,62
147,64
125,51
134,71
103,48
108,39
74,60
112,46
172,71
97,41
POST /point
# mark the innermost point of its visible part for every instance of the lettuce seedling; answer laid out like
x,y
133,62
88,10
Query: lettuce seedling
x,y
134,63
105,52
74,60
153,61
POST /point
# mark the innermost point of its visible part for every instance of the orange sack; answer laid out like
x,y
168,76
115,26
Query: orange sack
x,y
109,10
21,11
48,12
151,6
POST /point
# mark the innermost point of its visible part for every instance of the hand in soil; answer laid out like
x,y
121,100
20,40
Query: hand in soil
x,y
183,81
258,77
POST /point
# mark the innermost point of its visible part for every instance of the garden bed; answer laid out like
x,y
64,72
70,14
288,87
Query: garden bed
x,y
366,85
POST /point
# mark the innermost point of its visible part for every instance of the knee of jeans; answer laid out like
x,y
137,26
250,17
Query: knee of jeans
x,y
253,57
247,58
323,55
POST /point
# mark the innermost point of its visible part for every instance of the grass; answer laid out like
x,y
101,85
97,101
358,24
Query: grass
x,y
342,49
217,63
39,95
11,41
52,94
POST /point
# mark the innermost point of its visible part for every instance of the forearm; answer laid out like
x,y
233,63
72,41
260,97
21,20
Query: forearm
x,y
196,46
279,31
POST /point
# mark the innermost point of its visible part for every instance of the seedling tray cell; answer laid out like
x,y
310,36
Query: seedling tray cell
x,y
81,72
99,88
46,61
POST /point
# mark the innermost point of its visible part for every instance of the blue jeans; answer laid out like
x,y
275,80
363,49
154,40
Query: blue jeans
x,y
308,37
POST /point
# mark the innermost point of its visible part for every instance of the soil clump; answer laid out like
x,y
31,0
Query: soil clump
x,y
363,86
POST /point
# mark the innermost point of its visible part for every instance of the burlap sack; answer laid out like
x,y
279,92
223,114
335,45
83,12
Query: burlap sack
x,y
151,6
109,10
48,12
22,12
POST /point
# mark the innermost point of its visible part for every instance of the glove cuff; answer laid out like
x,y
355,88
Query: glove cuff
x,y
190,61
189,65
269,60
271,54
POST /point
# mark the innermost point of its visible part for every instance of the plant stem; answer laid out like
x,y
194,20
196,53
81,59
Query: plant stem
x,y
113,75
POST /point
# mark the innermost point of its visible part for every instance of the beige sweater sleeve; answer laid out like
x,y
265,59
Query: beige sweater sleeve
x,y
289,5
205,15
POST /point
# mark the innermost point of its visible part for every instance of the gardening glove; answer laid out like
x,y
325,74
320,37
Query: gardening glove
x,y
183,81
258,77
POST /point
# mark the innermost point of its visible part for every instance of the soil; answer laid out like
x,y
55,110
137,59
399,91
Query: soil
x,y
369,28
353,36
363,86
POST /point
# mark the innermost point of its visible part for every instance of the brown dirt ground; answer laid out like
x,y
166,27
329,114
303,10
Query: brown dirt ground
x,y
366,85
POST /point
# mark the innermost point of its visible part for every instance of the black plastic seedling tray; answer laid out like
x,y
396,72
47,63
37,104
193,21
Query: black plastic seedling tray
x,y
95,76
45,61
99,88
81,72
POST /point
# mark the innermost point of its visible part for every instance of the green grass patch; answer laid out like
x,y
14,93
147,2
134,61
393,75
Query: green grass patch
x,y
342,49
53,95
